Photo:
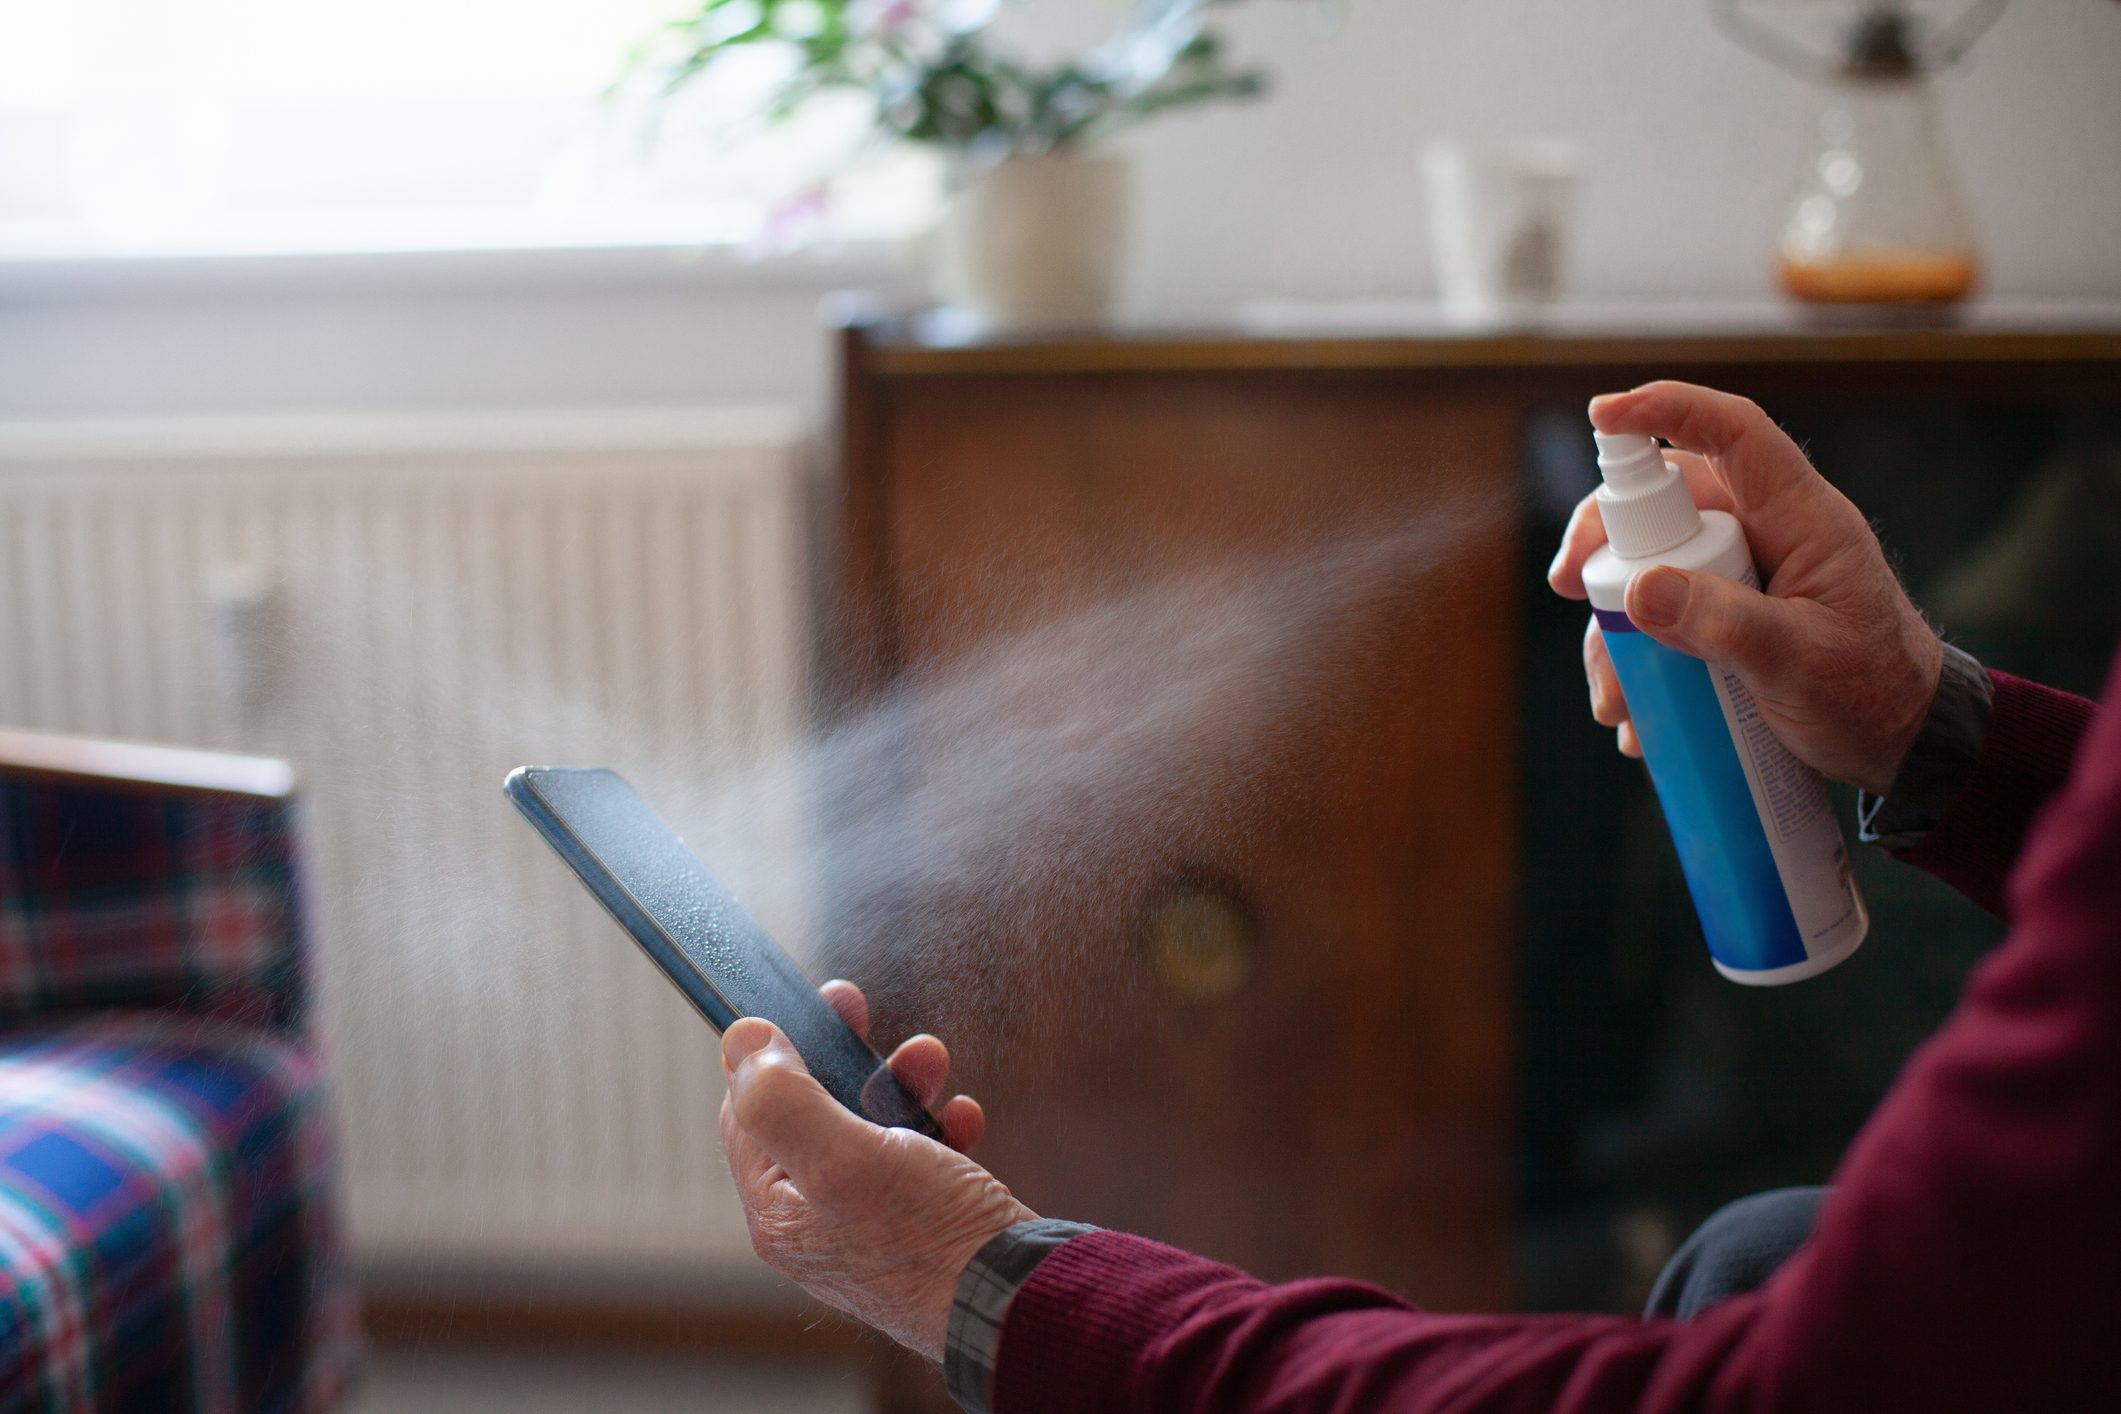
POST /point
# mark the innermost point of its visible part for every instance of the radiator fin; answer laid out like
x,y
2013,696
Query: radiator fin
x,y
406,615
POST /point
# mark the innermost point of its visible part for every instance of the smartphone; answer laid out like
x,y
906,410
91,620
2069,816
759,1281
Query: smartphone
x,y
699,935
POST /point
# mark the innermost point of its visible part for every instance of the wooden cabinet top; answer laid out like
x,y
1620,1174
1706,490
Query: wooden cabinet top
x,y
1573,339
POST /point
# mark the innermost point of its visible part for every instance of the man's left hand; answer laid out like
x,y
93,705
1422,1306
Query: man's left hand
x,y
879,1223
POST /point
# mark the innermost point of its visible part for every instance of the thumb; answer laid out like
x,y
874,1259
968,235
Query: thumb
x,y
1711,617
784,1110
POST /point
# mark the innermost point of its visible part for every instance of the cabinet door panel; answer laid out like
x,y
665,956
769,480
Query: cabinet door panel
x,y
1204,806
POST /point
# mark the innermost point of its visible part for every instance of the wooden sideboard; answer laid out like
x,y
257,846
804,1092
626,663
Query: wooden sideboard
x,y
1348,1108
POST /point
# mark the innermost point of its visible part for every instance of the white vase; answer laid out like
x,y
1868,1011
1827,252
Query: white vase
x,y
1036,242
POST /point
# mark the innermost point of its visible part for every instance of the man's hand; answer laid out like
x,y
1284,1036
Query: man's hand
x,y
1842,664
879,1223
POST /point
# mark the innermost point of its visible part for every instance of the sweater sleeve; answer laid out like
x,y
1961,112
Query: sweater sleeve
x,y
1964,1261
2025,755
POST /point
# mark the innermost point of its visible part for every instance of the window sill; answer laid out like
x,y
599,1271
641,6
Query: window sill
x,y
654,262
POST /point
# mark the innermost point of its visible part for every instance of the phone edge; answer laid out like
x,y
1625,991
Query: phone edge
x,y
618,901
520,786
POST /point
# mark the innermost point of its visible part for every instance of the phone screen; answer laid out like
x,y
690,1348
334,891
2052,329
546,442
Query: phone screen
x,y
698,934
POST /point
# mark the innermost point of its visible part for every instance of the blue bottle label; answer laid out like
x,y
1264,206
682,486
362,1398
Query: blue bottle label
x,y
1762,853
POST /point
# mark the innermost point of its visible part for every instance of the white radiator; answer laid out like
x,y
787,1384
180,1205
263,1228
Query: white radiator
x,y
408,606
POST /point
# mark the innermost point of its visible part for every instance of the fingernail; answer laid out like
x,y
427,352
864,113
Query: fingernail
x,y
1659,597
745,1040
1606,402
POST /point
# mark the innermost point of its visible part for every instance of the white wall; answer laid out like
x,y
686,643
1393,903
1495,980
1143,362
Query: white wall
x,y
1691,147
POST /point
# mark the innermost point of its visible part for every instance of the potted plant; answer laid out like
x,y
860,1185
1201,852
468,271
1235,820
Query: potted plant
x,y
1035,222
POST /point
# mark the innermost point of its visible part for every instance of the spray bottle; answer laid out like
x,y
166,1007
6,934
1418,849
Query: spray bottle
x,y
1756,834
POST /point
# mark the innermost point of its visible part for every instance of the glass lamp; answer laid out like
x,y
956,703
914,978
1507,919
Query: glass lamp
x,y
1878,217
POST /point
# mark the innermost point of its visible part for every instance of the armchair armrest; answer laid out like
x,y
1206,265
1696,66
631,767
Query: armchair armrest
x,y
147,876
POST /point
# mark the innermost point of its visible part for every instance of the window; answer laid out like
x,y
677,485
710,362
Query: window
x,y
230,126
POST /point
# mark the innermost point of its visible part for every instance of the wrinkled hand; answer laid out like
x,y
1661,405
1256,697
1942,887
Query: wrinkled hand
x,y
879,1223
1842,664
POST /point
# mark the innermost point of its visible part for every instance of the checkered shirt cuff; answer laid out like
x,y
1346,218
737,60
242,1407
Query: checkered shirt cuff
x,y
1939,762
991,1280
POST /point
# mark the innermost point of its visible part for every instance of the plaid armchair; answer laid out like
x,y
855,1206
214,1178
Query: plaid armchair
x,y
167,1236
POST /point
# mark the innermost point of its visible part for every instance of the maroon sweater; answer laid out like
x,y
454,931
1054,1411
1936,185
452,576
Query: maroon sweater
x,y
1967,1258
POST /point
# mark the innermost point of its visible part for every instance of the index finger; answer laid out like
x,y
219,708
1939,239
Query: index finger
x,y
848,1001
1754,458
1690,417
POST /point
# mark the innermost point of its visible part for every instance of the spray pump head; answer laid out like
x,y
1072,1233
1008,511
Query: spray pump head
x,y
1644,500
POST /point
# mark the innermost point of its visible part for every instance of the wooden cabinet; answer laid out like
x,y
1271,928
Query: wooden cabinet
x,y
1251,991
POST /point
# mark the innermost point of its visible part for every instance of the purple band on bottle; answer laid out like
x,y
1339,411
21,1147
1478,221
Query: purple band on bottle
x,y
1615,621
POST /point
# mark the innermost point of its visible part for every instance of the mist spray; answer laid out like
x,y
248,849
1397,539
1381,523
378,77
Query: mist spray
x,y
1757,838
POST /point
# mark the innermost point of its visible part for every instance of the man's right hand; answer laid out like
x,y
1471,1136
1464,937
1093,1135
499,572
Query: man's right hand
x,y
1841,662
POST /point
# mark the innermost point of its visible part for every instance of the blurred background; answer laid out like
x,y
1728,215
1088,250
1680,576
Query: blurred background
x,y
173,133
1052,498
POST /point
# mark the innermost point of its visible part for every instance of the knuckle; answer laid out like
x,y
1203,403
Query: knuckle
x,y
831,1174
771,1084
1747,423
1707,619
1725,635
769,1238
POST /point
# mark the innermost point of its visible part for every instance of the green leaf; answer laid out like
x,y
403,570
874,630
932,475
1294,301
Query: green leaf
x,y
972,94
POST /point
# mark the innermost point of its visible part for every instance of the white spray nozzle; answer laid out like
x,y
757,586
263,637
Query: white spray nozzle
x,y
1645,503
1630,462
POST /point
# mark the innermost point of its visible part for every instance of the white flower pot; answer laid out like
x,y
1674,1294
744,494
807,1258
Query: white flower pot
x,y
1036,241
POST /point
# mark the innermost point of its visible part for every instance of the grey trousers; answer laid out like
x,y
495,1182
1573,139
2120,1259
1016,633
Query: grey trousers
x,y
1737,1249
